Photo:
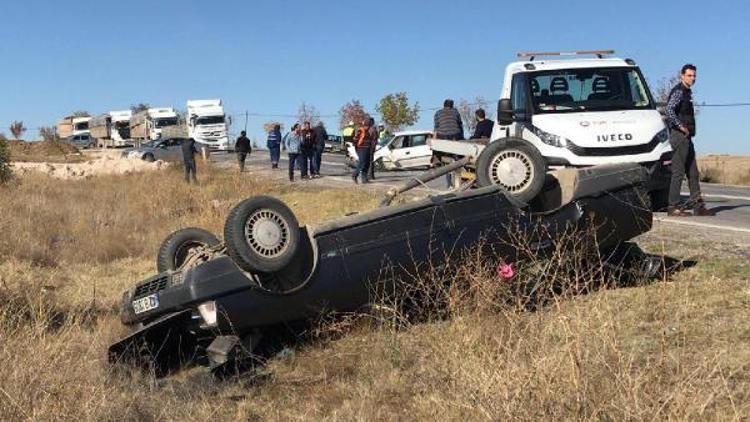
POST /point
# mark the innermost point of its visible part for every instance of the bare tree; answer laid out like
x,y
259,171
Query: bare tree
x,y
308,113
661,93
467,109
137,108
269,125
17,129
49,133
353,111
81,113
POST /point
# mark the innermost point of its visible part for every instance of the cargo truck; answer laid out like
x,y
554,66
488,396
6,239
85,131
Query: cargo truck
x,y
111,129
73,125
148,124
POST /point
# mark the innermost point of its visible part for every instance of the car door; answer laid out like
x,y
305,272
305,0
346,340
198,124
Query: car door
x,y
160,150
420,153
174,149
396,153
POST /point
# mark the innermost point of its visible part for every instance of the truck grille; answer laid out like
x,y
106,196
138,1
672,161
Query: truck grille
x,y
152,285
604,152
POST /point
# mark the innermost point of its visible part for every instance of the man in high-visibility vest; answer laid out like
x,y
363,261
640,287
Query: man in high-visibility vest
x,y
348,132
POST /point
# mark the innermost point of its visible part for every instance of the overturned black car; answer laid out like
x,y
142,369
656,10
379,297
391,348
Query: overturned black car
x,y
213,303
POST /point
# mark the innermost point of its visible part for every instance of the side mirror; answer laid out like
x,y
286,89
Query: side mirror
x,y
504,112
229,120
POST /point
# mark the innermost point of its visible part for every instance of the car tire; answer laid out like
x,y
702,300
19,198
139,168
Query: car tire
x,y
513,164
149,157
176,248
261,234
379,166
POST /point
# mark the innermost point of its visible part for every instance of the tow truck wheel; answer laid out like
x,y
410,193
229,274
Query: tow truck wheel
x,y
513,164
180,245
261,234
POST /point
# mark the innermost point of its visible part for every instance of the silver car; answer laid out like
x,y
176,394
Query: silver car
x,y
169,149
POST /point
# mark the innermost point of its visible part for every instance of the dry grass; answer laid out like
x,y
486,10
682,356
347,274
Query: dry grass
x,y
44,151
726,169
668,350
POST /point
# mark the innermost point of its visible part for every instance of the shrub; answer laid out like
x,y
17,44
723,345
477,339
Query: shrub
x,y
5,172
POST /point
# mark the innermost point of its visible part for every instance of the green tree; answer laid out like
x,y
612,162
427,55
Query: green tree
x,y
396,111
5,172
17,129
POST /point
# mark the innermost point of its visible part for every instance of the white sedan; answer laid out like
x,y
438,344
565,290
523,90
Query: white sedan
x,y
403,150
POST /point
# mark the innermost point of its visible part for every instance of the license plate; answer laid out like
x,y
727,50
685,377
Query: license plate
x,y
146,303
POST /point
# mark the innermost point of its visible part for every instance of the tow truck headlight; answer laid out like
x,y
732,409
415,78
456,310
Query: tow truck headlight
x,y
207,310
550,139
662,136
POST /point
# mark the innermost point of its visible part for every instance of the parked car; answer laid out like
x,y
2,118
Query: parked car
x,y
80,141
216,304
168,149
334,143
403,150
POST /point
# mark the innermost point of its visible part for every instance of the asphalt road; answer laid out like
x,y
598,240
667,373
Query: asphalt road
x,y
732,203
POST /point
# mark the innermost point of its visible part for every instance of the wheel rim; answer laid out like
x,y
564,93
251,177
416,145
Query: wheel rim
x,y
512,169
267,233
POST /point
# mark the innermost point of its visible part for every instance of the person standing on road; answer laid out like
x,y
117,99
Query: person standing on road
x,y
319,142
374,136
293,145
188,159
242,148
362,143
484,125
306,150
681,120
448,126
348,133
274,145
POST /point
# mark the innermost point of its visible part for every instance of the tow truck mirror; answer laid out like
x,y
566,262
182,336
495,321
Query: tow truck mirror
x,y
504,112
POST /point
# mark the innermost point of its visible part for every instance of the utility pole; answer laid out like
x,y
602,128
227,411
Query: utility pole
x,y
246,120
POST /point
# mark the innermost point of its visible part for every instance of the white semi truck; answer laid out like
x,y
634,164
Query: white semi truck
x,y
573,112
70,126
112,129
207,123
148,124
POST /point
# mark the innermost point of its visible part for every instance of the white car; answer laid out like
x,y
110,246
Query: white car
x,y
403,150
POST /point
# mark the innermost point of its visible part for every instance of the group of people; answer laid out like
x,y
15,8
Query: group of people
x,y
304,145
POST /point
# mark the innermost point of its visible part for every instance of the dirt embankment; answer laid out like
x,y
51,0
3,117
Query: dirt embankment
x,y
92,164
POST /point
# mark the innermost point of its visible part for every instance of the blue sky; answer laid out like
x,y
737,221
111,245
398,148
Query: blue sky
x,y
269,56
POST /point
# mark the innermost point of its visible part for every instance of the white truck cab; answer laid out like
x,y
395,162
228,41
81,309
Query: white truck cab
x,y
81,125
571,113
120,127
159,118
207,123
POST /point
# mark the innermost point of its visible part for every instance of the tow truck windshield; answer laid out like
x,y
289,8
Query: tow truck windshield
x,y
601,89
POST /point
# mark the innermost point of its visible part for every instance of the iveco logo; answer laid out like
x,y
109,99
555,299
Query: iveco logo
x,y
615,137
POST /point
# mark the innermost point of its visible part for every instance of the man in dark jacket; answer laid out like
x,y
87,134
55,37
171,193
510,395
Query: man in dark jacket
x,y
319,139
242,147
374,136
448,122
306,150
188,159
448,126
681,120
484,125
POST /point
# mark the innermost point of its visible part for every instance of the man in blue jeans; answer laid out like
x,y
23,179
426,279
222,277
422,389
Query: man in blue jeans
x,y
293,145
362,142
188,159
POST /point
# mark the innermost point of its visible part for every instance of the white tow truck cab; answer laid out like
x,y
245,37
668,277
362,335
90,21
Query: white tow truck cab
x,y
207,123
567,113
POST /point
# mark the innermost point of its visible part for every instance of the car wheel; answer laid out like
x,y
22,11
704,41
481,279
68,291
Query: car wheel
x,y
513,164
379,166
180,245
149,157
261,234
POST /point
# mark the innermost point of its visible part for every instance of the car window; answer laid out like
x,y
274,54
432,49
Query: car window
x,y
398,142
418,140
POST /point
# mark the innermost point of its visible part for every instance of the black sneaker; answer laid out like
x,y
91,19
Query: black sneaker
x,y
355,179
